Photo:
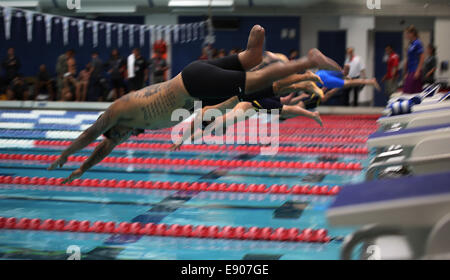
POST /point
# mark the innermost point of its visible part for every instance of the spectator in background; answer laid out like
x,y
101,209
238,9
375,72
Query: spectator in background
x,y
160,67
43,81
11,65
94,87
62,69
137,70
116,68
205,53
70,80
430,65
293,54
233,51
356,70
414,62
66,94
214,52
83,82
391,76
221,53
18,89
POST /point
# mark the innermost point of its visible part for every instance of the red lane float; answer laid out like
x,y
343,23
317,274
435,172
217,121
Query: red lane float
x,y
174,230
292,138
351,166
250,149
287,138
185,186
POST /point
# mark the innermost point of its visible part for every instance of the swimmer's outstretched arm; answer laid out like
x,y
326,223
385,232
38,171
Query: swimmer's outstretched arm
x,y
362,82
100,152
307,87
329,94
290,111
189,132
105,122
193,133
297,78
240,112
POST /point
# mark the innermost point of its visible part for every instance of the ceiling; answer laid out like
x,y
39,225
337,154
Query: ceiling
x,y
288,7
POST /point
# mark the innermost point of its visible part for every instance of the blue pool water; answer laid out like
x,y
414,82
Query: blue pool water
x,y
158,206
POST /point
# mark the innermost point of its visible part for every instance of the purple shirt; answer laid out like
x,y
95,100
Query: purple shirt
x,y
415,49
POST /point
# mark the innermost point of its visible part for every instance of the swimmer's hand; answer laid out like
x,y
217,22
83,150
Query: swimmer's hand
x,y
75,175
313,77
58,163
316,117
175,147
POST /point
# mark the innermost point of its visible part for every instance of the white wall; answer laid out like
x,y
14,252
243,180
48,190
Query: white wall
x,y
310,27
358,28
442,42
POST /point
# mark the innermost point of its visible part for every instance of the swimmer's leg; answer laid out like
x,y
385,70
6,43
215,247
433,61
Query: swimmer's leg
x,y
265,77
252,56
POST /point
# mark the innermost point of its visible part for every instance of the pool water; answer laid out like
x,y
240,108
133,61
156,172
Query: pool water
x,y
45,133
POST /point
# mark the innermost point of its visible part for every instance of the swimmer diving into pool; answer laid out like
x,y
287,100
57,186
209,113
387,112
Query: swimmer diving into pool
x,y
335,79
152,106
247,107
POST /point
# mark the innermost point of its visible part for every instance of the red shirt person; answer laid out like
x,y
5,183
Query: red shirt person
x,y
390,79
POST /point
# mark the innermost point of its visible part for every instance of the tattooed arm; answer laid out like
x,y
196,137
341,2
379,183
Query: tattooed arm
x,y
100,152
105,122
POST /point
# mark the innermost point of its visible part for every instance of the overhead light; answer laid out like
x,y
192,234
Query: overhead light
x,y
200,3
196,10
20,4
127,9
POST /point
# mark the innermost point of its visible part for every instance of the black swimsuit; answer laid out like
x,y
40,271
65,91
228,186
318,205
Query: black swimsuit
x,y
267,104
218,79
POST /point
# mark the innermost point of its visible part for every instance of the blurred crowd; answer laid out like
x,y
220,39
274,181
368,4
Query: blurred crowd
x,y
108,80
96,81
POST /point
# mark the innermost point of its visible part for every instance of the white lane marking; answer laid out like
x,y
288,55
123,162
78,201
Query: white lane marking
x,y
85,126
16,125
59,121
19,116
14,143
87,117
49,112
62,134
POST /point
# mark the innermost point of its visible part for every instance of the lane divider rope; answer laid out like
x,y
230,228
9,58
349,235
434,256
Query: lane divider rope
x,y
174,230
180,186
240,148
352,166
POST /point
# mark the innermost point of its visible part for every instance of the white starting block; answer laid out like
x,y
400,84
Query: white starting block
x,y
416,119
407,137
443,103
420,150
429,99
416,209
427,92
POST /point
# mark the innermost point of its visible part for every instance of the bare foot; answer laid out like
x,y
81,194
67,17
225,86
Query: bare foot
x,y
252,56
312,88
375,84
316,117
321,61
310,76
